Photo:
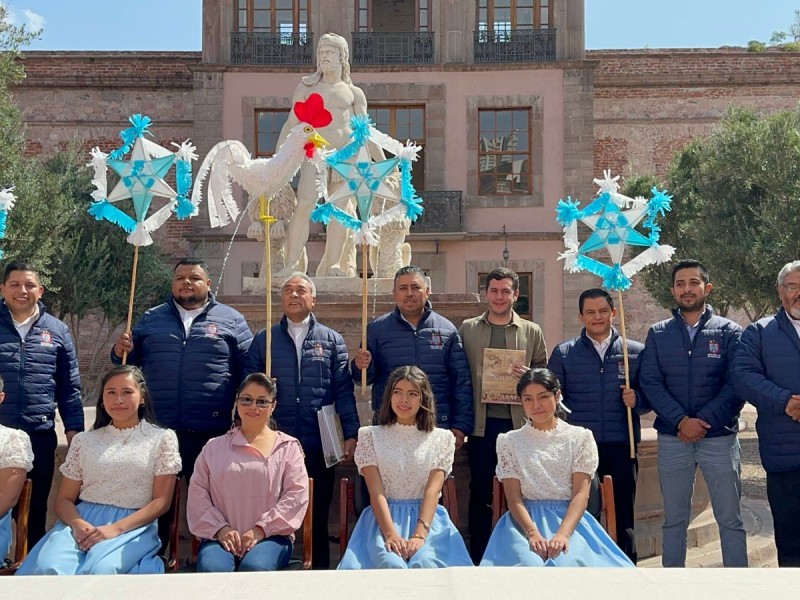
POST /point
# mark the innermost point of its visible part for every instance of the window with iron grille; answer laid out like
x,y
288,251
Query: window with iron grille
x,y
275,16
500,16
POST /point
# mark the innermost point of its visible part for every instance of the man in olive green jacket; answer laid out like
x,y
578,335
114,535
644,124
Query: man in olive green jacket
x,y
499,327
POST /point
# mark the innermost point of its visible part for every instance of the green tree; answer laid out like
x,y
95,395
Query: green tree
x,y
735,208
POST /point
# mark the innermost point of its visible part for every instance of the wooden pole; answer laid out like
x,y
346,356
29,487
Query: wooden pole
x,y
267,220
130,300
364,265
627,371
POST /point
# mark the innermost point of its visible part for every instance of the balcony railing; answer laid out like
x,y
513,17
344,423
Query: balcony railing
x,y
515,45
269,48
374,48
443,212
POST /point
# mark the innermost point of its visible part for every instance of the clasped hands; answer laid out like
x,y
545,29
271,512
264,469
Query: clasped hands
x,y
693,430
548,548
405,549
87,535
237,543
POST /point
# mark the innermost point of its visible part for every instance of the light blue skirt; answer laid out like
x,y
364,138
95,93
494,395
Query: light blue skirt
x,y
57,553
5,535
589,545
443,547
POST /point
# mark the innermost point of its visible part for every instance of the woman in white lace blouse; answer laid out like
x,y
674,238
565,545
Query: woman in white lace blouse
x,y
16,459
404,460
546,468
118,479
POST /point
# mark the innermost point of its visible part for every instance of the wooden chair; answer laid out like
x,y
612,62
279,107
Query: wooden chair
x,y
20,514
294,564
601,503
349,507
173,558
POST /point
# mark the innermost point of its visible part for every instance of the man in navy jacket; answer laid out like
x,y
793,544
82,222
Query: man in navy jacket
x,y
767,367
309,363
412,334
192,351
591,370
686,377
40,368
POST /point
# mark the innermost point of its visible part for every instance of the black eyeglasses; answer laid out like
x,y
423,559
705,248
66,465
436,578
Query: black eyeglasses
x,y
260,402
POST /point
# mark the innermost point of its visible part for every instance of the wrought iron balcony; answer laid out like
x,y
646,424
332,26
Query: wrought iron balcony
x,y
443,212
515,45
375,48
269,48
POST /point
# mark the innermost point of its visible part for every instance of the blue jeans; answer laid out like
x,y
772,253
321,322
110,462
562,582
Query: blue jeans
x,y
270,554
718,459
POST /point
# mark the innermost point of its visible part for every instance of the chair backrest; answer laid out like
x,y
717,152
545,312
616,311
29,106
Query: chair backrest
x,y
348,503
601,503
20,514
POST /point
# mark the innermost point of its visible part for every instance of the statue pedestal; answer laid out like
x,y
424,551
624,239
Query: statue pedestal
x,y
325,285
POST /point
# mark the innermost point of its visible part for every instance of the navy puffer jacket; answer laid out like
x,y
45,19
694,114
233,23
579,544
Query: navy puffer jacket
x,y
321,379
40,373
192,379
767,371
590,386
680,377
436,348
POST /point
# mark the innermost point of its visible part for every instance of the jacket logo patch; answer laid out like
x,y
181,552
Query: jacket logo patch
x,y
621,369
713,349
47,338
211,330
318,351
437,343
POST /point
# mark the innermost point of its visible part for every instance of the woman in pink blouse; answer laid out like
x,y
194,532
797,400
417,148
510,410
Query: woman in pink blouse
x,y
249,491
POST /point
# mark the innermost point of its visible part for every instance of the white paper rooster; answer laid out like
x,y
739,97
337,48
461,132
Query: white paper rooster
x,y
230,161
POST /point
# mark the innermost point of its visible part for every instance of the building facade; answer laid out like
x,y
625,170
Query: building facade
x,y
511,112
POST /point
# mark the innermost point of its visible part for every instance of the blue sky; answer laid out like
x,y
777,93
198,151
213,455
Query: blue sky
x,y
176,24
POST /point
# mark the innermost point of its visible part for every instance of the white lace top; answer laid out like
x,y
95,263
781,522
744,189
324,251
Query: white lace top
x,y
15,449
117,466
544,461
405,456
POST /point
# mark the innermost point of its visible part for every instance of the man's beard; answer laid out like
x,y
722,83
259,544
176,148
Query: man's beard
x,y
692,305
191,302
794,311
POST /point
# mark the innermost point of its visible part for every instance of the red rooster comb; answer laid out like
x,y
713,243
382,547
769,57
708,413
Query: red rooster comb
x,y
313,111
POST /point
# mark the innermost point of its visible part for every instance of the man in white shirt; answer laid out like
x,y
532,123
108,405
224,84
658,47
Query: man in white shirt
x,y
309,363
192,351
591,370
40,368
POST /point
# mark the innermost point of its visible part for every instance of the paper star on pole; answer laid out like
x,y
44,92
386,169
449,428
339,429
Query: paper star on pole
x,y
141,179
613,227
366,180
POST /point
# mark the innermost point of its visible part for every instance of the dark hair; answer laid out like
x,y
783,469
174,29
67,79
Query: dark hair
x,y
426,417
193,261
102,418
501,273
544,377
594,293
548,380
409,270
261,379
264,381
690,263
21,265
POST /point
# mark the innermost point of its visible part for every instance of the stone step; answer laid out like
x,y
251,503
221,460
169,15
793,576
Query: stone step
x,y
760,541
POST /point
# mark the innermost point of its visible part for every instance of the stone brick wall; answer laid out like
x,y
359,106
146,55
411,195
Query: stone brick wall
x,y
649,103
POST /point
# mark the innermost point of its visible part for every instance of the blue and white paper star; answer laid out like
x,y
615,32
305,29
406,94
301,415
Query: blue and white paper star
x,y
613,219
365,180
